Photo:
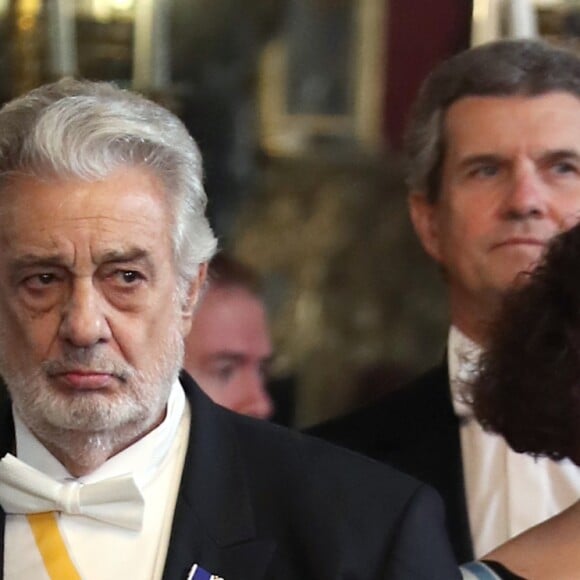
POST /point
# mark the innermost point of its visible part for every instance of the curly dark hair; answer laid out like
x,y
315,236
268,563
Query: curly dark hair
x,y
529,386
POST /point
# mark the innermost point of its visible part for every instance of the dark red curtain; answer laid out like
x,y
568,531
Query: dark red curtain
x,y
420,33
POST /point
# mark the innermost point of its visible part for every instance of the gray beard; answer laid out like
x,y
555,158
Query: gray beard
x,y
91,427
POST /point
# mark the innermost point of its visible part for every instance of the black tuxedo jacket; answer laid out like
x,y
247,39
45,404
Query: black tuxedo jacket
x,y
258,501
416,430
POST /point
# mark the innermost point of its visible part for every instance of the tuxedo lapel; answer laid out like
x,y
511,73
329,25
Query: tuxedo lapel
x,y
427,445
214,521
414,429
6,446
447,475
213,524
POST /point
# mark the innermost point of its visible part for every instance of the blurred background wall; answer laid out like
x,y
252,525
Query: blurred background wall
x,y
298,107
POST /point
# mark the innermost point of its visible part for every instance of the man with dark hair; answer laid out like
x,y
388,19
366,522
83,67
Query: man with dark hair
x,y
493,152
113,464
228,349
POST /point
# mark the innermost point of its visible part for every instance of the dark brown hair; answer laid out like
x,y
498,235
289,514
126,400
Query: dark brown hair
x,y
226,272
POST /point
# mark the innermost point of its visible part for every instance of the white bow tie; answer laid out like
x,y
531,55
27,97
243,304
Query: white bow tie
x,y
24,489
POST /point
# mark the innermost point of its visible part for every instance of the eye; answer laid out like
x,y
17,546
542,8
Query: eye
x,y
130,277
40,281
487,170
222,370
225,371
564,167
126,279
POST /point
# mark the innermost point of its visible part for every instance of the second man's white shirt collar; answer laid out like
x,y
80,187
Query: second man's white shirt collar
x,y
463,362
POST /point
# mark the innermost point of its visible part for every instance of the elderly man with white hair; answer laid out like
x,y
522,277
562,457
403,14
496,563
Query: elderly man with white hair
x,y
113,464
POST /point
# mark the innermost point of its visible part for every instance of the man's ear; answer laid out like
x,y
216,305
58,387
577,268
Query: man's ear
x,y
426,223
192,297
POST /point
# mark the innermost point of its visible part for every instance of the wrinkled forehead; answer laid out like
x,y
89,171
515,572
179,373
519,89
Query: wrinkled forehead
x,y
124,211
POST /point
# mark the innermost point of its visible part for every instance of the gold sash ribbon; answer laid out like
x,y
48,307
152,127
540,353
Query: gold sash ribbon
x,y
52,547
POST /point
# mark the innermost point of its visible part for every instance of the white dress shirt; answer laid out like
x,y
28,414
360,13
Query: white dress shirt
x,y
507,492
100,550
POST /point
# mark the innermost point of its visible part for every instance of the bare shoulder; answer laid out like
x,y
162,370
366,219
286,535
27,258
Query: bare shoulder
x,y
546,551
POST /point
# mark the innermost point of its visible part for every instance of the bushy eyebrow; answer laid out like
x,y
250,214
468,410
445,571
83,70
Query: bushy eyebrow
x,y
481,159
31,259
235,357
28,260
553,156
130,255
495,158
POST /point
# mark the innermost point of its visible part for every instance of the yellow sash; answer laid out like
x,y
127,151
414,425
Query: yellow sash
x,y
52,547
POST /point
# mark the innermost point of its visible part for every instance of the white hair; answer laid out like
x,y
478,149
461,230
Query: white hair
x,y
86,130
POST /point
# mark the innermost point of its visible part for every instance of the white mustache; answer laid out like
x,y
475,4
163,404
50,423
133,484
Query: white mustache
x,y
90,362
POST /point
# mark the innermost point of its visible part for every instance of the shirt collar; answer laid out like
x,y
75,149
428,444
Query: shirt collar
x,y
462,359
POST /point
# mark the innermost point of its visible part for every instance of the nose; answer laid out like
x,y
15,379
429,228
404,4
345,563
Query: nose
x,y
526,197
258,403
263,406
83,322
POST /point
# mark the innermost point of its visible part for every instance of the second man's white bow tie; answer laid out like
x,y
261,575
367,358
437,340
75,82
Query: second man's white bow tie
x,y
24,489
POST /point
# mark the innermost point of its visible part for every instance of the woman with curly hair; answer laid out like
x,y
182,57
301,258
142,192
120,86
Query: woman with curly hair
x,y
528,391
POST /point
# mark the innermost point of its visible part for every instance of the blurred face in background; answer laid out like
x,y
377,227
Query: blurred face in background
x,y
229,349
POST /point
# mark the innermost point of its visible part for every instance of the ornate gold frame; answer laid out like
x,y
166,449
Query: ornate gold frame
x,y
291,134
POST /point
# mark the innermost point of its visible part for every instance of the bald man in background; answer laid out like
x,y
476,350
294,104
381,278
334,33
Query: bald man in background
x,y
228,350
